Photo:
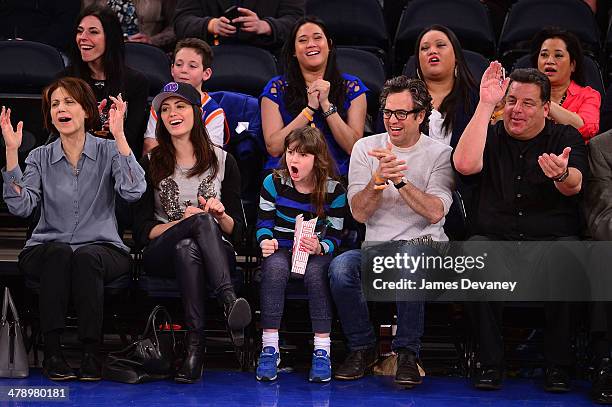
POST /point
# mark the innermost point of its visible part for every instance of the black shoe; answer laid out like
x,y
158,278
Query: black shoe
x,y
193,364
488,378
556,380
238,316
601,392
356,364
91,368
56,368
407,373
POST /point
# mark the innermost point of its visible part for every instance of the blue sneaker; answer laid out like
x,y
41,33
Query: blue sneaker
x,y
268,364
321,367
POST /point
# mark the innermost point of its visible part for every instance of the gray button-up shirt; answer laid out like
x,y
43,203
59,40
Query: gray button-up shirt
x,y
77,205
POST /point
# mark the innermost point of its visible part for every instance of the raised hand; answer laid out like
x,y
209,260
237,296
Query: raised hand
x,y
493,85
268,247
554,165
116,116
12,137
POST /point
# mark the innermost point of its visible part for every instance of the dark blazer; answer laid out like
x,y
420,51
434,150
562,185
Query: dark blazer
x,y
598,188
192,17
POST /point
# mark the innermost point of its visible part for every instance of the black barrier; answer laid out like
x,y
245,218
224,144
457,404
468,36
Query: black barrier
x,y
487,271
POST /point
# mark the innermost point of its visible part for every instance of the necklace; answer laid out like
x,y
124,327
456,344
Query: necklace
x,y
183,171
563,98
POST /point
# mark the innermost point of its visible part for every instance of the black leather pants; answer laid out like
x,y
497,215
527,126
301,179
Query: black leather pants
x,y
194,252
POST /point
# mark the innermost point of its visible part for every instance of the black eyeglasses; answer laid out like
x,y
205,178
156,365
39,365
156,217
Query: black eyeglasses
x,y
399,114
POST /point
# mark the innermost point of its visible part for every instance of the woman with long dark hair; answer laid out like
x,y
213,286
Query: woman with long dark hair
x,y
441,64
313,92
188,218
98,57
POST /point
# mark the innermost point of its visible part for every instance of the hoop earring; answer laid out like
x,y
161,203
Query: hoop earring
x,y
418,74
455,71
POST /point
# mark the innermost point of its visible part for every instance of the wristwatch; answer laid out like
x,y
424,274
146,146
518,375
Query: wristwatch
x,y
563,176
332,109
401,184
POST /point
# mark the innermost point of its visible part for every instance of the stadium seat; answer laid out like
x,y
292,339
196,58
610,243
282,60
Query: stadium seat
x,y
527,17
469,20
152,62
477,64
354,23
592,73
367,67
241,68
26,68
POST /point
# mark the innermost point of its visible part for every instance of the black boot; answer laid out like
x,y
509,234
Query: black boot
x,y
193,364
237,315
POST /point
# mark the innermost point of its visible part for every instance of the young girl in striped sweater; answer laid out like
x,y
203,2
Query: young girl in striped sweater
x,y
304,185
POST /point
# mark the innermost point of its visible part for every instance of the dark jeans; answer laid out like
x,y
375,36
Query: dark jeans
x,y
487,317
80,275
275,273
345,283
194,252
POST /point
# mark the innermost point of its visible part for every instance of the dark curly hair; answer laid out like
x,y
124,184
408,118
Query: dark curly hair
x,y
572,44
421,99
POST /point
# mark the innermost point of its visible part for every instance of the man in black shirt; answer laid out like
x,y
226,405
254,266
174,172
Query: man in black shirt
x,y
528,172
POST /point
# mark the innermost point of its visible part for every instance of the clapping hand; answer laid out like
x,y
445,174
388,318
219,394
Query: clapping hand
x,y
389,167
321,87
12,137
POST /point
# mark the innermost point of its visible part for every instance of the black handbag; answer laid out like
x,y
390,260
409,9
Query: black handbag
x,y
147,359
13,356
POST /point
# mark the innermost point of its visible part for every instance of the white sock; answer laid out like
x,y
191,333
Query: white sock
x,y
322,343
270,339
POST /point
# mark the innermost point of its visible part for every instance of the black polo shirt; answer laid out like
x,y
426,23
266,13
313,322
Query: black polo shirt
x,y
514,200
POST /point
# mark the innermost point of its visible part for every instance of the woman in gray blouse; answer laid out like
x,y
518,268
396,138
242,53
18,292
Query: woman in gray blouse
x,y
75,248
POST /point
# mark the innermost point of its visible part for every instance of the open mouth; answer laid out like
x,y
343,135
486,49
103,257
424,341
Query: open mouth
x,y
549,70
312,53
433,60
64,119
86,47
294,170
175,122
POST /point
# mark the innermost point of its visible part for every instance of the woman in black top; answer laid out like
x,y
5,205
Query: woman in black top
x,y
188,217
98,57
